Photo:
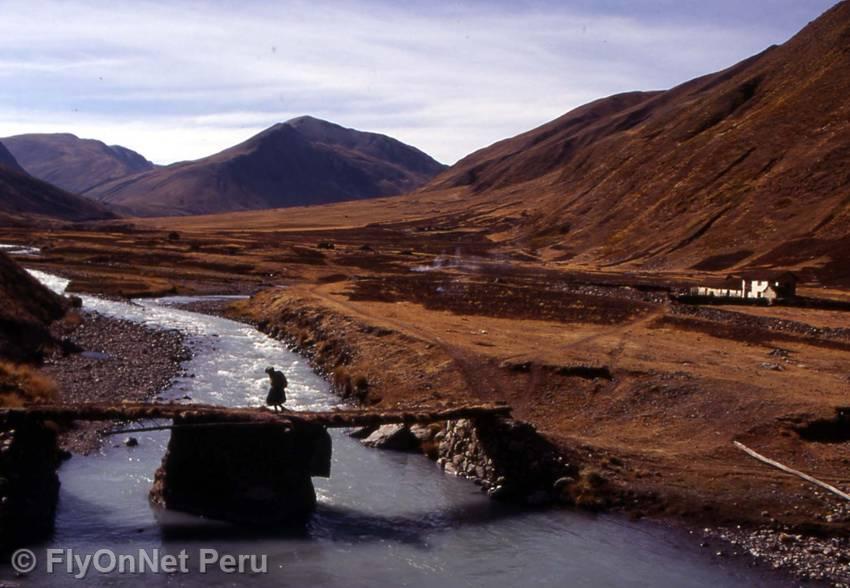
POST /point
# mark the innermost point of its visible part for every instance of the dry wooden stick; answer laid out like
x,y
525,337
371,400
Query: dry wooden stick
x,y
794,472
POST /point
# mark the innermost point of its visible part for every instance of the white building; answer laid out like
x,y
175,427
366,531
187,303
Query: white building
x,y
764,285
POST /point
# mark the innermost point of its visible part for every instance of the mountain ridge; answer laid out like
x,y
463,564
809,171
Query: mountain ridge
x,y
23,197
739,163
71,163
8,160
303,161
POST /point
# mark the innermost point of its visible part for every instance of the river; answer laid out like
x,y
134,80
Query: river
x,y
383,518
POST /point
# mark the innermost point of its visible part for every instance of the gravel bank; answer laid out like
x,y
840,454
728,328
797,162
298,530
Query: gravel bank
x,y
824,560
120,360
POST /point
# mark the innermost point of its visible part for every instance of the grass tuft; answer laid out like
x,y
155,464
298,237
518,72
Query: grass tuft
x,y
21,384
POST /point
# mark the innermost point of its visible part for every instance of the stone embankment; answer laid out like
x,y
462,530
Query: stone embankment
x,y
508,459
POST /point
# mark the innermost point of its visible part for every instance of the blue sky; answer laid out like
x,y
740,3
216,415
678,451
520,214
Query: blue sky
x,y
180,80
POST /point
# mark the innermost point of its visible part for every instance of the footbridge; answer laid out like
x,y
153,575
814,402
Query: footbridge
x,y
244,465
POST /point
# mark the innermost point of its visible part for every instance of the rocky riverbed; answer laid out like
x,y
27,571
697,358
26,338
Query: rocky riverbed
x,y
114,360
809,558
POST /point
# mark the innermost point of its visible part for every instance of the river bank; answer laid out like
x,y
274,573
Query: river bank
x,y
116,360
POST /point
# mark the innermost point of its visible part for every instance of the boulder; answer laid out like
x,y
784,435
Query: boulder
x,y
393,437
425,433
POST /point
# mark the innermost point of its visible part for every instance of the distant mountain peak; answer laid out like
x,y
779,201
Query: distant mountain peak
x,y
71,163
307,118
305,160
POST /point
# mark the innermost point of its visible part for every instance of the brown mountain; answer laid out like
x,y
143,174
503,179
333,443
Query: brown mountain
x,y
71,163
750,165
302,161
23,197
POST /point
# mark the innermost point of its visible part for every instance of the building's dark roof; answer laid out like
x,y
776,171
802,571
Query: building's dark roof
x,y
727,283
769,275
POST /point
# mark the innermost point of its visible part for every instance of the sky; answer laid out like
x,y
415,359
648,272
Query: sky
x,y
178,79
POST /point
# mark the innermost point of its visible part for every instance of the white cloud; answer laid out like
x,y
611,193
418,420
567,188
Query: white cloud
x,y
183,80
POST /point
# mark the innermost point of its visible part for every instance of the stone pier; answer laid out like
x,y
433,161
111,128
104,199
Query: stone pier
x,y
257,474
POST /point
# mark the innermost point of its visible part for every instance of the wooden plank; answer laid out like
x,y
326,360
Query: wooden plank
x,y
346,417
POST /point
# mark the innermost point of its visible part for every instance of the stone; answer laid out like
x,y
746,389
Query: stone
x,y
392,437
423,433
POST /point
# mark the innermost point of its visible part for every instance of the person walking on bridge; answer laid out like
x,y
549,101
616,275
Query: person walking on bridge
x,y
277,391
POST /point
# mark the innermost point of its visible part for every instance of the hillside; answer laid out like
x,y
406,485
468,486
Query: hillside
x,y
23,197
26,310
71,163
303,161
8,160
750,166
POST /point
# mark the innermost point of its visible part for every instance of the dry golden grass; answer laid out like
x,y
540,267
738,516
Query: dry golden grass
x,y
21,384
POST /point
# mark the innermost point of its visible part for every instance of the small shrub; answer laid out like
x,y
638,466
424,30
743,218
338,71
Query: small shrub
x,y
361,387
20,384
72,320
594,479
342,382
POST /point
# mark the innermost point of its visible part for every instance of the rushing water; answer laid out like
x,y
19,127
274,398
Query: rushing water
x,y
383,518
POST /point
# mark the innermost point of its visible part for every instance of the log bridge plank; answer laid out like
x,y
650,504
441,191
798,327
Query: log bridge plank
x,y
340,418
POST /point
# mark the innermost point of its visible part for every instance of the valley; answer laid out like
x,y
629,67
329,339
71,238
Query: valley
x,y
649,295
629,383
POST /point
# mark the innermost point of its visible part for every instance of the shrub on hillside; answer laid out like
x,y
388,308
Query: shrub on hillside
x,y
20,384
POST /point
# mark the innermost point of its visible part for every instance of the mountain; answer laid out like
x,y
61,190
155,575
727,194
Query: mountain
x,y
748,166
23,197
8,160
300,162
71,163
